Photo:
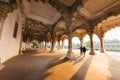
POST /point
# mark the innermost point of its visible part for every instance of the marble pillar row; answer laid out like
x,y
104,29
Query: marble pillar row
x,y
53,40
21,40
69,53
102,45
1,25
58,42
27,45
91,44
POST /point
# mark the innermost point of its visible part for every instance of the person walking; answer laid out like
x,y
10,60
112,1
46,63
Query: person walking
x,y
81,50
84,49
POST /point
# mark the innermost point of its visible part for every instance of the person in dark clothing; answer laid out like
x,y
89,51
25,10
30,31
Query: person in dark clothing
x,y
84,49
81,50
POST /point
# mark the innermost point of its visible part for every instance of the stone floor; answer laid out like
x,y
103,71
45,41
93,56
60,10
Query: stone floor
x,y
43,65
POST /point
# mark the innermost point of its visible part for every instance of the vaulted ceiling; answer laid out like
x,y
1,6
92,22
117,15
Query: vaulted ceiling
x,y
44,15
48,14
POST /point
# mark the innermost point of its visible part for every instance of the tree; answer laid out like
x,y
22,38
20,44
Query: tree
x,y
35,43
88,44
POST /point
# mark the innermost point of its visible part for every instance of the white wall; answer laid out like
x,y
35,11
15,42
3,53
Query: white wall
x,y
9,46
23,46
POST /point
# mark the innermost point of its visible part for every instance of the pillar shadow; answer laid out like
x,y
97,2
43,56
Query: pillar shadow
x,y
78,59
58,62
82,71
114,67
28,67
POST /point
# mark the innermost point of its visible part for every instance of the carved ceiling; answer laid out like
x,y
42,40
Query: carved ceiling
x,y
106,25
35,28
63,37
44,15
80,33
6,6
67,2
40,11
93,9
8,1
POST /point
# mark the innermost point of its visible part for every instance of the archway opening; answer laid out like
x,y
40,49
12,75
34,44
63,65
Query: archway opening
x,y
35,43
75,43
112,40
86,41
66,44
96,42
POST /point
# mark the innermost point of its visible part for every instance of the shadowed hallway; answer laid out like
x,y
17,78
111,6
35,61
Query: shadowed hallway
x,y
30,66
29,26
43,65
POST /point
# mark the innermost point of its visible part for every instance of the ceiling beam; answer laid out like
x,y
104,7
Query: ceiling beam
x,y
75,5
38,29
111,12
62,8
8,1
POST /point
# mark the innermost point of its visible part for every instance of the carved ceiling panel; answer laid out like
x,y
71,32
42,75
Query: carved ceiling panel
x,y
6,8
106,25
63,37
67,2
35,28
40,11
45,10
93,9
80,33
8,1
95,6
61,24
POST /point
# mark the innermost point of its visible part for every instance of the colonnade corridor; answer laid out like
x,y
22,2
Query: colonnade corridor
x,y
42,65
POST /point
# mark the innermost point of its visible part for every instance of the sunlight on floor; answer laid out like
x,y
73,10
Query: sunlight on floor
x,y
53,66
95,67
1,66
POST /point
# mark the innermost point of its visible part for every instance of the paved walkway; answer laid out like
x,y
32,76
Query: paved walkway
x,y
51,66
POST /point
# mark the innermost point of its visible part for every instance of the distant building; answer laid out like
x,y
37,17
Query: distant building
x,y
107,46
112,46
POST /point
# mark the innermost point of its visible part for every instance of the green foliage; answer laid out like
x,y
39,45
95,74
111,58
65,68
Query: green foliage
x,y
35,43
88,44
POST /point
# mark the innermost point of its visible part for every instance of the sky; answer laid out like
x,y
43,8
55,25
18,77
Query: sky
x,y
112,34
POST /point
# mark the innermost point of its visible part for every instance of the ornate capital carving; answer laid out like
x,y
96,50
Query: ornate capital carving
x,y
6,8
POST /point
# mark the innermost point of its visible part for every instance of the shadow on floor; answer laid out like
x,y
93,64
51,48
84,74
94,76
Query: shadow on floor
x,y
82,71
114,67
58,62
27,67
78,59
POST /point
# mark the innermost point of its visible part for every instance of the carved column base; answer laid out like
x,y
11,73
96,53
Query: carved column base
x,y
92,53
70,56
21,53
102,51
51,51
